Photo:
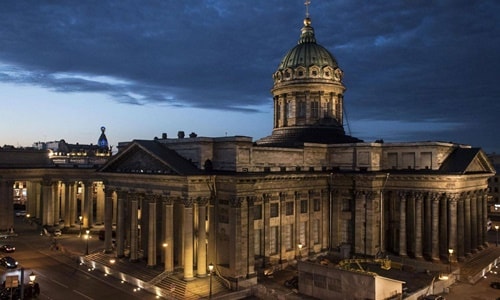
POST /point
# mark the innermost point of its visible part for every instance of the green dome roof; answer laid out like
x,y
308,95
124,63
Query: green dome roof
x,y
308,52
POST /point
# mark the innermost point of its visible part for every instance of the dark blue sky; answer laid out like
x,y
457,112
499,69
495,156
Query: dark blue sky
x,y
414,70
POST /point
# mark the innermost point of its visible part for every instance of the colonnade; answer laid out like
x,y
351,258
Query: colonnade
x,y
160,228
432,223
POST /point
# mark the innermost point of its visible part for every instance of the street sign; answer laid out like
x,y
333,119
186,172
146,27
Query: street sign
x,y
11,281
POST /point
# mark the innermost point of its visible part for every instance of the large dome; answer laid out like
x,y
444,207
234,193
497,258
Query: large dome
x,y
308,96
307,61
308,52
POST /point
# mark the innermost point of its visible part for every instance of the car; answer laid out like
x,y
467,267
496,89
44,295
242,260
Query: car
x,y
21,213
57,232
7,248
8,262
495,285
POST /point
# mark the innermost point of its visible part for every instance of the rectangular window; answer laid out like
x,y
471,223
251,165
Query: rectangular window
x,y
346,204
288,237
314,109
301,109
273,241
317,205
302,233
303,206
289,208
257,212
274,210
224,215
257,242
316,231
392,160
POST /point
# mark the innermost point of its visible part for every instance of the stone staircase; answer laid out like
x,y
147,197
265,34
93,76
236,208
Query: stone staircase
x,y
172,284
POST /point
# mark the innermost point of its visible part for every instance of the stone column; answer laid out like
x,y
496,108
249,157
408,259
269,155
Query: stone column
x,y
100,203
152,231
266,231
467,225
251,238
47,203
211,247
120,225
108,222
435,226
418,225
443,227
237,237
72,203
6,207
134,241
480,224
56,200
402,224
452,237
67,204
427,236
87,204
484,196
473,213
169,235
461,229
188,239
202,236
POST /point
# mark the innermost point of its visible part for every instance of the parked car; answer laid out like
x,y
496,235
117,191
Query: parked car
x,y
57,232
21,213
8,262
7,248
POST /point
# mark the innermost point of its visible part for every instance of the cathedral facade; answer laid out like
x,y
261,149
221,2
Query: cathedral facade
x,y
246,206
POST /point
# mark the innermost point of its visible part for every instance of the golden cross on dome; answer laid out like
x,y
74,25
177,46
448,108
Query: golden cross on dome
x,y
307,3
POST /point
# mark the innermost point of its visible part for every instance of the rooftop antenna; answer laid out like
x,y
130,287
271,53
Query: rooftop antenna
x,y
307,3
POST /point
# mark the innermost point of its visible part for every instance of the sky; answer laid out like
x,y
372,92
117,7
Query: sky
x,y
414,70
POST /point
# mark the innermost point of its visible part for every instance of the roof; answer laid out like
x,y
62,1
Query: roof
x,y
466,160
149,157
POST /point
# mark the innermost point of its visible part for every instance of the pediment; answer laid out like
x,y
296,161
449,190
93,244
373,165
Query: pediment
x,y
149,157
138,161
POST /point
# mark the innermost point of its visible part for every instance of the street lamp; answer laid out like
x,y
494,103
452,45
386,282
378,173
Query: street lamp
x,y
32,277
300,250
496,228
80,218
450,251
210,269
87,237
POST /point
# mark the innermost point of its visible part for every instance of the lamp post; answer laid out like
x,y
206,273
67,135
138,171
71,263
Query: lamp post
x,y
450,251
32,277
300,250
87,237
496,228
80,219
210,269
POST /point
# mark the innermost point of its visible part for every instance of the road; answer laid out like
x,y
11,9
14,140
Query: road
x,y
58,280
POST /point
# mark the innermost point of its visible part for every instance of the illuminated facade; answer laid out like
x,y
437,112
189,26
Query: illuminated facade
x,y
246,206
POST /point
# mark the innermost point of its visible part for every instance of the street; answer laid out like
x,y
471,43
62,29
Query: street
x,y
58,276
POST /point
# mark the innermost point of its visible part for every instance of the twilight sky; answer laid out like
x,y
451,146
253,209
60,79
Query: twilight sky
x,y
414,70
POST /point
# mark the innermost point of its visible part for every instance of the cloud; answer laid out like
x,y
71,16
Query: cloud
x,y
404,61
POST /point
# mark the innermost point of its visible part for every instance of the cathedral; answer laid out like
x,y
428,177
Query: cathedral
x,y
245,206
